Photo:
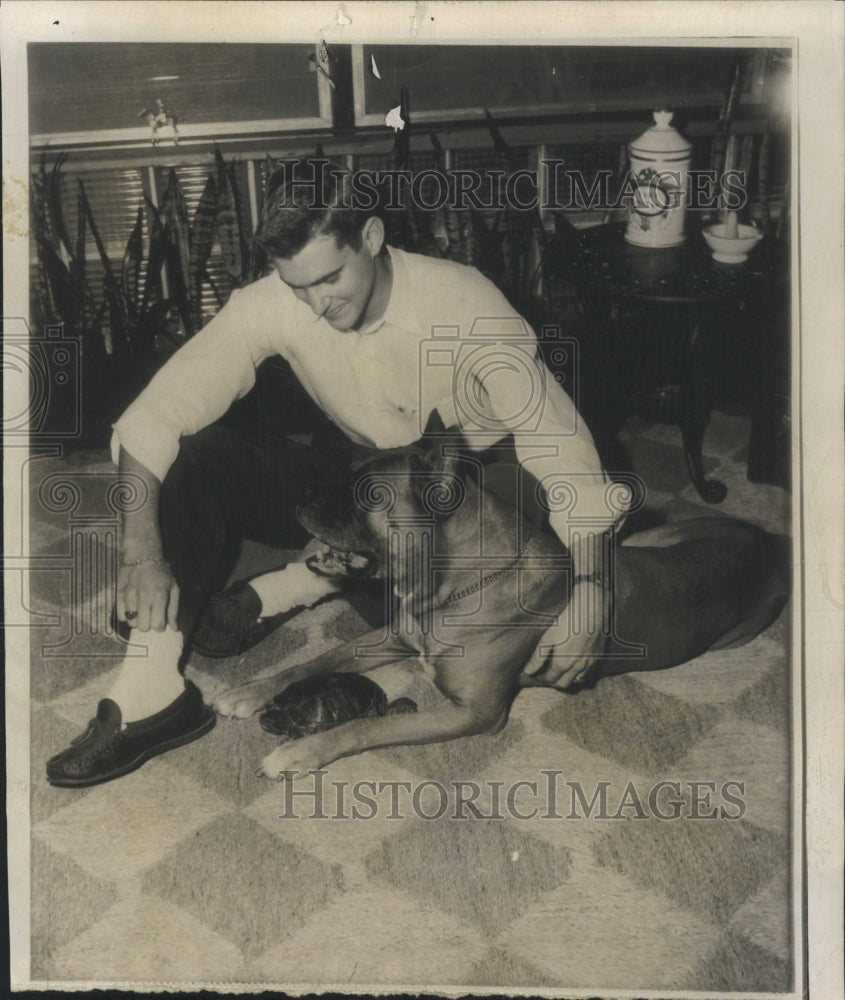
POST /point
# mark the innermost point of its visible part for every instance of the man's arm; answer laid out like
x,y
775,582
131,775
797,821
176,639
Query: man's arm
x,y
195,387
554,444
203,378
147,593
568,460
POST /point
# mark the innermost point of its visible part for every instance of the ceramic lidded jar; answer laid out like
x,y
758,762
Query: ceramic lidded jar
x,y
659,164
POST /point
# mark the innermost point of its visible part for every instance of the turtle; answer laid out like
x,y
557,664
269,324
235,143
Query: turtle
x,y
320,703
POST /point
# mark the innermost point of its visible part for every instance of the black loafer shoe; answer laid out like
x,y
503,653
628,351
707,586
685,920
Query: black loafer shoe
x,y
231,622
107,750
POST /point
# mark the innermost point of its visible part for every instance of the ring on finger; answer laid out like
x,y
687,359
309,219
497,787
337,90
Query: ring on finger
x,y
131,615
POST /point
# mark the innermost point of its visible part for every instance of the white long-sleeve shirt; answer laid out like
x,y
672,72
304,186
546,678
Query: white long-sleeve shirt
x,y
448,340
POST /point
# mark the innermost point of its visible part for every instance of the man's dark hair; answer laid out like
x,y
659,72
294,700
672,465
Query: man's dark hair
x,y
308,198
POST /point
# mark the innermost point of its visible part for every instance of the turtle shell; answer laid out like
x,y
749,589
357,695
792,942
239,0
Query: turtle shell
x,y
320,703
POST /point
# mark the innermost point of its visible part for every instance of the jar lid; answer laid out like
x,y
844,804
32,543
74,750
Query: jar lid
x,y
661,137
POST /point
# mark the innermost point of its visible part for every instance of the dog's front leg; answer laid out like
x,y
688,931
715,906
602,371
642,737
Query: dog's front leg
x,y
447,721
245,700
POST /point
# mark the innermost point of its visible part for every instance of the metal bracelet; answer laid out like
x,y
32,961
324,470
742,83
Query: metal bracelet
x,y
608,597
143,562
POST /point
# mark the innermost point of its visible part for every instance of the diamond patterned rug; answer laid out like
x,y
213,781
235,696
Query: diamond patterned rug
x,y
543,859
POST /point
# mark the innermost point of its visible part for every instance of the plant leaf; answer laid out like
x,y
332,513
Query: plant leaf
x,y
79,285
177,247
178,289
131,268
53,189
228,224
202,230
118,314
59,282
202,239
207,277
151,323
244,228
499,143
174,213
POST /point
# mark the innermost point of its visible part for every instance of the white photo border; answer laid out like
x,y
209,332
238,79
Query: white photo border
x,y
818,323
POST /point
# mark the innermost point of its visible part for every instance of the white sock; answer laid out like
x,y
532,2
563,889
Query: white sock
x,y
291,587
147,684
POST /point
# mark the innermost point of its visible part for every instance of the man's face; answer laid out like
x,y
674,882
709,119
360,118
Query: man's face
x,y
338,283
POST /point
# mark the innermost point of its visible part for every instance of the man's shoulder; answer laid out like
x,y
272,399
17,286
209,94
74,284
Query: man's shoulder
x,y
262,314
267,288
436,267
439,281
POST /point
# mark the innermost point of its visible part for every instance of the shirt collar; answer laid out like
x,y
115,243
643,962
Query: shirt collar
x,y
400,304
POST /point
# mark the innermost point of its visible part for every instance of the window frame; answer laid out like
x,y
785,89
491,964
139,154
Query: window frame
x,y
752,93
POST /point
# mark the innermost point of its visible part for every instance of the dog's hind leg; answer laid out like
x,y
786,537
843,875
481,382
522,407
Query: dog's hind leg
x,y
766,615
663,535
718,588
774,562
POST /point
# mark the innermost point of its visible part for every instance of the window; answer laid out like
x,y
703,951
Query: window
x,y
95,95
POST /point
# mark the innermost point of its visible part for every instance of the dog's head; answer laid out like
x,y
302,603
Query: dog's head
x,y
398,490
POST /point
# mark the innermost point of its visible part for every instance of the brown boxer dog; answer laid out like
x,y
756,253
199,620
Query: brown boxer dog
x,y
483,594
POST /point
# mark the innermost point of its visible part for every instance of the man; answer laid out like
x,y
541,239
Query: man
x,y
378,338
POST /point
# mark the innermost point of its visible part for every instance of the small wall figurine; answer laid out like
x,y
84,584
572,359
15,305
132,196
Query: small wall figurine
x,y
156,119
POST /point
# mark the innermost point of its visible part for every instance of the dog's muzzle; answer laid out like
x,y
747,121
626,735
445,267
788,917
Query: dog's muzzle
x,y
338,565
348,554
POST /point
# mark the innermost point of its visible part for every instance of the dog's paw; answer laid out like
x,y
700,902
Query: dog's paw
x,y
291,760
244,701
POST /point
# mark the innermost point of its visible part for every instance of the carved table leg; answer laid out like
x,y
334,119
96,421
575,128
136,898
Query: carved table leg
x,y
696,417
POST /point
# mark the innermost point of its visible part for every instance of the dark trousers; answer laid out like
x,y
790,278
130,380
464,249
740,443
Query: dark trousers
x,y
244,477
240,478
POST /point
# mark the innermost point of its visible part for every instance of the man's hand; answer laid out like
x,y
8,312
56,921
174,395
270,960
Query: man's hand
x,y
575,644
147,593
147,596
568,650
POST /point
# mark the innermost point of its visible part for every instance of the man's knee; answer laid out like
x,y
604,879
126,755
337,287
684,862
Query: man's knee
x,y
200,475
211,449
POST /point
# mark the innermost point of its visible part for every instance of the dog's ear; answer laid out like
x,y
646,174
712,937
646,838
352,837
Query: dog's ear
x,y
434,425
440,445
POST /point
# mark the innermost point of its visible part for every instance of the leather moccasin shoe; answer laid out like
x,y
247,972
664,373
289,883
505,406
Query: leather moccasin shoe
x,y
108,750
231,622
